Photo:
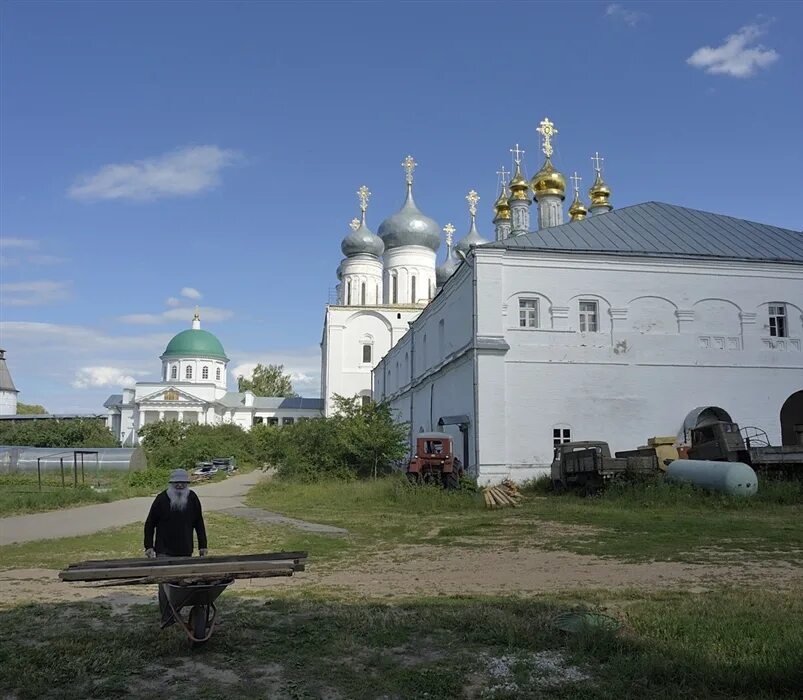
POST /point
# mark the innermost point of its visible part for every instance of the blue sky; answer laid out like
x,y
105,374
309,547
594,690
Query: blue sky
x,y
161,155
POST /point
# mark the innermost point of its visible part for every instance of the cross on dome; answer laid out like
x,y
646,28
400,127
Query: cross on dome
x,y
576,179
503,176
449,229
363,194
355,224
547,130
472,198
517,154
409,165
596,158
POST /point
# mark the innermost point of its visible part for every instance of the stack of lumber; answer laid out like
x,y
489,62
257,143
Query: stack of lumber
x,y
185,569
506,494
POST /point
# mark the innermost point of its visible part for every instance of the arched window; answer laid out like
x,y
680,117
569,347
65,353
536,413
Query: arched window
x,y
412,289
205,373
394,281
366,353
188,372
174,372
217,374
348,293
362,294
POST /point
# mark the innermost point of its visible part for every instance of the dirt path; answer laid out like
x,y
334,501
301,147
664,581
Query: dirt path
x,y
424,570
85,520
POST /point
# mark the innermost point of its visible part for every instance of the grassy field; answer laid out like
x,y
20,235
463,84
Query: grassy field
x,y
313,642
20,494
722,645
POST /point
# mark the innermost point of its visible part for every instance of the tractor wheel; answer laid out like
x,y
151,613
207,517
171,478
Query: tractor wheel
x,y
413,477
451,481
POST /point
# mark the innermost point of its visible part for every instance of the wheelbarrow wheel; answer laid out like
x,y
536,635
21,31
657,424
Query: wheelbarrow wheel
x,y
198,623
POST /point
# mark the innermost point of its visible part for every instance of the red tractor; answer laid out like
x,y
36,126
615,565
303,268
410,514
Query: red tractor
x,y
434,461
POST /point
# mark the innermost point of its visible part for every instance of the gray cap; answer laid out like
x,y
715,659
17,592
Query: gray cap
x,y
362,241
409,226
179,475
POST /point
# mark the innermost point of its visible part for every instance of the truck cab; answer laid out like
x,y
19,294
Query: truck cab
x,y
719,441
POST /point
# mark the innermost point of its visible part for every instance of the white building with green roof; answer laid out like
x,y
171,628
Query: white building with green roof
x,y
193,388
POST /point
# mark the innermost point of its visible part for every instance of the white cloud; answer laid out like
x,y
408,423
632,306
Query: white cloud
x,y
304,368
172,301
180,173
178,313
737,57
91,377
36,293
190,293
630,17
26,243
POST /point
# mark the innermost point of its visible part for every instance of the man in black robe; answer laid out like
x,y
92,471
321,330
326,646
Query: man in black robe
x,y
174,515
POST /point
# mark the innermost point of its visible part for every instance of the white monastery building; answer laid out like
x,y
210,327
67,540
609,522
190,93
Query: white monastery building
x,y
193,389
617,325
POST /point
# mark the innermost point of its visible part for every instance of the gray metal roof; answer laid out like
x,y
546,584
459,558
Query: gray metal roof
x,y
236,399
654,228
6,383
113,401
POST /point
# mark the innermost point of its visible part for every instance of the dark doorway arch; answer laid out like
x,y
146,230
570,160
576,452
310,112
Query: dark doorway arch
x,y
703,414
792,420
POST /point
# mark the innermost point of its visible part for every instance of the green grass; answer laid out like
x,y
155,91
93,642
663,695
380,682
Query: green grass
x,y
227,535
718,645
660,521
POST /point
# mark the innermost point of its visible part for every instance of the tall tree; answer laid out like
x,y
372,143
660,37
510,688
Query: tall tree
x,y
26,409
269,380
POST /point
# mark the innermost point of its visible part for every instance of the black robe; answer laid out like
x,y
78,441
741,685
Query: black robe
x,y
174,527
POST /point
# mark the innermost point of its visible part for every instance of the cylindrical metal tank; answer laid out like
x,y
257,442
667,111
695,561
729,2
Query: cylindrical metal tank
x,y
733,478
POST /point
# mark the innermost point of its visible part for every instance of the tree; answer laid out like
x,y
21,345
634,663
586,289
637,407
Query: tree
x,y
269,380
28,409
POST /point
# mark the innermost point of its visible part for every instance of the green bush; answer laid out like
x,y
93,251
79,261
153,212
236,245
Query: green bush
x,y
51,432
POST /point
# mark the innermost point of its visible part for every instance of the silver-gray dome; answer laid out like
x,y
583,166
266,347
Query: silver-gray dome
x,y
445,270
471,239
362,241
409,226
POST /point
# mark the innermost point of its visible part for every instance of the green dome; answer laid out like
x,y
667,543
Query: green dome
x,y
195,343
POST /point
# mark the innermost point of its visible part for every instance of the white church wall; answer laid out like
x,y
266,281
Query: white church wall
x,y
401,266
361,281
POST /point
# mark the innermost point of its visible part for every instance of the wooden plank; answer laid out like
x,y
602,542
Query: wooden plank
x,y
166,561
196,568
188,580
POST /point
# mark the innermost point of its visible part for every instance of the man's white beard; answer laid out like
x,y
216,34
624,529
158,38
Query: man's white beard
x,y
178,497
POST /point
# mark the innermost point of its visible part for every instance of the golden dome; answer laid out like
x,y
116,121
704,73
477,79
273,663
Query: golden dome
x,y
578,210
599,192
519,187
501,206
548,181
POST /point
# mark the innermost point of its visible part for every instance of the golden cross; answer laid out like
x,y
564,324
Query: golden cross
x,y
363,194
547,130
596,158
472,198
576,179
517,154
355,224
449,233
409,165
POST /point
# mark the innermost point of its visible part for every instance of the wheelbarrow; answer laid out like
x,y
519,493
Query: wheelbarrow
x,y
200,599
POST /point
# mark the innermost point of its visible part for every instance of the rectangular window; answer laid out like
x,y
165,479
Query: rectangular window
x,y
258,420
588,316
366,400
778,320
273,421
288,421
561,436
528,313
366,353
412,289
395,285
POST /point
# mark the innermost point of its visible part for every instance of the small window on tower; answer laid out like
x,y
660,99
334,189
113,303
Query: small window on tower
x,y
362,294
778,320
205,373
412,289
366,353
188,372
395,287
217,374
174,372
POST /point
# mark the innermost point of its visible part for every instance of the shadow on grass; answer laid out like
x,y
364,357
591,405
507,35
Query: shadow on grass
x,y
728,645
